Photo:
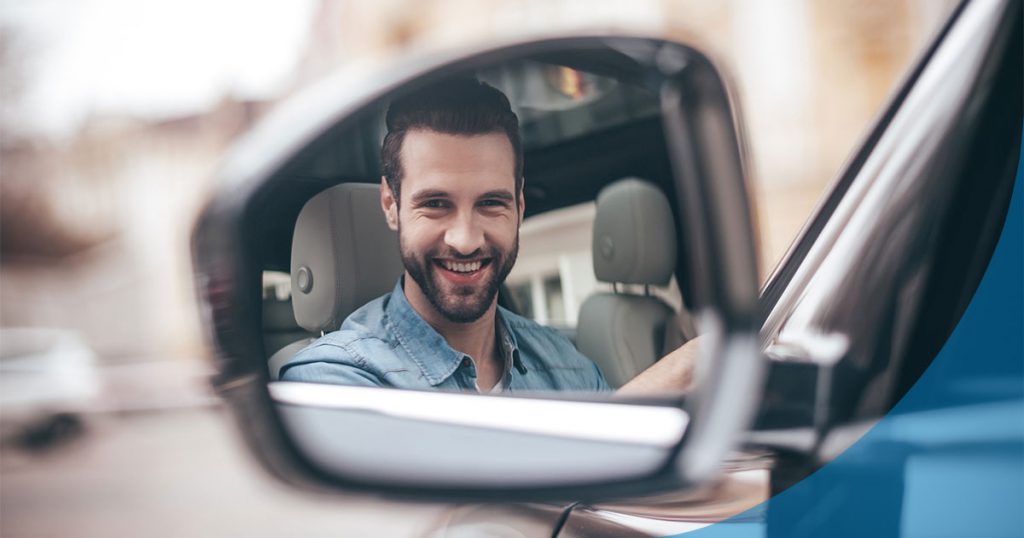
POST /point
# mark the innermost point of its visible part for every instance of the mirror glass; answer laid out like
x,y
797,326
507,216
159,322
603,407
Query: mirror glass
x,y
501,239
457,276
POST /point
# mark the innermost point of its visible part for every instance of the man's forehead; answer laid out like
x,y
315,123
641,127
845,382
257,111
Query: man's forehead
x,y
441,161
428,192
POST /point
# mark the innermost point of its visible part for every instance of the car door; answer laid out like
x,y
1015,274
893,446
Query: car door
x,y
819,381
868,295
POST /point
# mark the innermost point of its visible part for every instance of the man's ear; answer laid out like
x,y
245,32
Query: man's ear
x,y
389,204
522,206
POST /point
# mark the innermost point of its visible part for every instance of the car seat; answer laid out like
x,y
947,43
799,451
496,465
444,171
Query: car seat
x,y
279,326
634,242
343,256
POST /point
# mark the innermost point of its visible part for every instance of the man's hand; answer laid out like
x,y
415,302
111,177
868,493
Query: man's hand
x,y
673,373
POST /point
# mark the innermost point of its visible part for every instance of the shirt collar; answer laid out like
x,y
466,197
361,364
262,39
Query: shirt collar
x,y
508,339
426,347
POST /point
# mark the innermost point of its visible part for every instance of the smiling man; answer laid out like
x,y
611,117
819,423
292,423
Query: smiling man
x,y
452,189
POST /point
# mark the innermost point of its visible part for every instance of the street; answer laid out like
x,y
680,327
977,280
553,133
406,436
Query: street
x,y
175,472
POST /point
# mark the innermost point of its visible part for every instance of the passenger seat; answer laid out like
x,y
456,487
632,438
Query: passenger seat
x,y
279,326
634,242
343,256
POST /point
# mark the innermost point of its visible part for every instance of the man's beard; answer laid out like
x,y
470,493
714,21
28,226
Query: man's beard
x,y
460,304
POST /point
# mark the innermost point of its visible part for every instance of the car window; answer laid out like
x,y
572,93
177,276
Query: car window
x,y
556,103
277,285
554,273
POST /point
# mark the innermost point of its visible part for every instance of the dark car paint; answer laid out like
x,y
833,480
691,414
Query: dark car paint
x,y
921,255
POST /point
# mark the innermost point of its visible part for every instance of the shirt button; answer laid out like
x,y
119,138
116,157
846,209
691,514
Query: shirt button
x,y
465,362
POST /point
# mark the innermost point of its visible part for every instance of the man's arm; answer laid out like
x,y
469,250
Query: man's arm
x,y
330,372
327,363
674,372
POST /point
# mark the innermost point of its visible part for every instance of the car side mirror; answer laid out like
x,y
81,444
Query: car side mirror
x,y
466,446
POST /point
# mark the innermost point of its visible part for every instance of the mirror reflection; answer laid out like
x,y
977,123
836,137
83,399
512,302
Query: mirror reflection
x,y
509,231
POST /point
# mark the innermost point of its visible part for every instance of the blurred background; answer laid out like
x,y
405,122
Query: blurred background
x,y
114,116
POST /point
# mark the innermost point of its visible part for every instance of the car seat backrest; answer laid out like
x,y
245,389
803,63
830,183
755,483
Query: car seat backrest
x,y
279,325
634,239
343,255
634,242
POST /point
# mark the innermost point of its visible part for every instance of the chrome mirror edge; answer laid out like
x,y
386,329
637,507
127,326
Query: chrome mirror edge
x,y
597,421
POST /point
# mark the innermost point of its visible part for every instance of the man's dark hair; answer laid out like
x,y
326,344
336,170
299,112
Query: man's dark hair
x,y
458,106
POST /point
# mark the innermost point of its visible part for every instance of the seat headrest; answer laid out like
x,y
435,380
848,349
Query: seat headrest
x,y
634,234
343,255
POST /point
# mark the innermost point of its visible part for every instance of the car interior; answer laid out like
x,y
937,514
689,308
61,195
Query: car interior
x,y
590,134
634,242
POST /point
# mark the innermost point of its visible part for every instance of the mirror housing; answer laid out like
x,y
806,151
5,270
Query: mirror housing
x,y
656,443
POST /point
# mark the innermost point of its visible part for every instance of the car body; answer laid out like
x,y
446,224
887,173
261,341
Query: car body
x,y
853,317
50,379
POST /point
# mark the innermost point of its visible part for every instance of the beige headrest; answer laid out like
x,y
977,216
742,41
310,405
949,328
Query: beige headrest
x,y
634,234
343,255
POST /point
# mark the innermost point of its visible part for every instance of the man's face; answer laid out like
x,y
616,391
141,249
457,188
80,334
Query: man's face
x,y
458,219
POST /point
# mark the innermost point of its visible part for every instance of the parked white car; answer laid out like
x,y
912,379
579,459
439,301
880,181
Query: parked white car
x,y
48,378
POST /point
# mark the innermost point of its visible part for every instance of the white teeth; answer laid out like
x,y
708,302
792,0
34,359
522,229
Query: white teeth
x,y
462,267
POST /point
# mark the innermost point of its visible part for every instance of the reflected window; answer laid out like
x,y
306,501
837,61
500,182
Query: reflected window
x,y
554,272
277,285
523,299
554,301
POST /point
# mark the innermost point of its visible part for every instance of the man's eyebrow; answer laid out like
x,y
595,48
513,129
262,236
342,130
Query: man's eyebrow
x,y
499,194
427,194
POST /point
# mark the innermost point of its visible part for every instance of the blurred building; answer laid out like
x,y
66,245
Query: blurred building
x,y
96,230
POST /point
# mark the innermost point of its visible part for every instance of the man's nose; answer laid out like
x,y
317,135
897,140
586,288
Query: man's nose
x,y
464,235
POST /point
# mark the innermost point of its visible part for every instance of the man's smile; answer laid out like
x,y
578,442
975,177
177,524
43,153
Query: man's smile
x,y
462,272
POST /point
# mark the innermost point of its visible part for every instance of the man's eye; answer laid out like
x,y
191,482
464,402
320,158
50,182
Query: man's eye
x,y
493,203
433,204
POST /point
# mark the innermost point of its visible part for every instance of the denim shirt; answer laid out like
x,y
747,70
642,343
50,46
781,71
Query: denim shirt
x,y
386,343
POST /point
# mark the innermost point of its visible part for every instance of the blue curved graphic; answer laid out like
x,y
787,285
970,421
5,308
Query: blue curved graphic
x,y
948,460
